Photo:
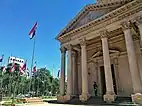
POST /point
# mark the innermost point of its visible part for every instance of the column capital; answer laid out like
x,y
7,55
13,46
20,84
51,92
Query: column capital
x,y
73,53
83,42
69,47
126,25
104,34
138,20
62,49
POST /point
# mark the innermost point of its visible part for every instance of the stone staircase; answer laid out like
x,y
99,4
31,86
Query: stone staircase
x,y
98,101
92,101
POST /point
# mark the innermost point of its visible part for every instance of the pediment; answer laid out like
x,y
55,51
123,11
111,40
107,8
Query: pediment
x,y
90,13
90,16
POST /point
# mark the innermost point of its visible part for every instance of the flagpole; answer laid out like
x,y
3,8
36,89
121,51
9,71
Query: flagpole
x,y
53,71
32,59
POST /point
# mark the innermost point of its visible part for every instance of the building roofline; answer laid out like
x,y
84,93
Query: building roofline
x,y
90,7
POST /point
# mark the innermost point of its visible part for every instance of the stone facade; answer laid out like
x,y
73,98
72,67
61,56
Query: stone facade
x,y
105,48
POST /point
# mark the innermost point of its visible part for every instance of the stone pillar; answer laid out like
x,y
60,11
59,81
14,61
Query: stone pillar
x,y
74,69
118,82
62,74
60,98
85,95
137,85
139,24
138,55
110,95
69,74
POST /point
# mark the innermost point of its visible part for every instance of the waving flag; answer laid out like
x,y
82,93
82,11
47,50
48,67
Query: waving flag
x,y
33,31
23,68
4,68
13,68
1,58
34,68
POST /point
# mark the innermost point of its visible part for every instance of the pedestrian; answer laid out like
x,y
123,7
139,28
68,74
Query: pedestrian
x,y
95,88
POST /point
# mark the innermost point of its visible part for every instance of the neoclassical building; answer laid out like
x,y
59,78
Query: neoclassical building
x,y
104,45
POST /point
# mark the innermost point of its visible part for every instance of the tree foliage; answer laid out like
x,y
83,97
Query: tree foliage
x,y
41,82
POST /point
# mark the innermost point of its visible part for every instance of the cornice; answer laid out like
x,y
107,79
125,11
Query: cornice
x,y
91,7
117,14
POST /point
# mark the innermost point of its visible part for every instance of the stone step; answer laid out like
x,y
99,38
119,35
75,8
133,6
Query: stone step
x,y
120,99
98,100
31,100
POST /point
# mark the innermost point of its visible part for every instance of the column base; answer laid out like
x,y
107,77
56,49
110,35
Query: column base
x,y
68,97
137,98
84,97
109,97
61,99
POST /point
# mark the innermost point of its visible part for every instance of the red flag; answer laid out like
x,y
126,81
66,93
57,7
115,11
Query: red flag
x,y
23,68
32,31
13,68
4,68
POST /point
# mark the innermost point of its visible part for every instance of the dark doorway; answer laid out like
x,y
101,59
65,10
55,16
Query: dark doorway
x,y
114,78
103,84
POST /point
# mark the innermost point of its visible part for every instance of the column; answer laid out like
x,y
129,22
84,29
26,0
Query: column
x,y
74,70
62,74
107,65
137,86
139,24
84,96
138,56
69,72
84,68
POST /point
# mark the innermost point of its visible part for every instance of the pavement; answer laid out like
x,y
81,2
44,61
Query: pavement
x,y
45,104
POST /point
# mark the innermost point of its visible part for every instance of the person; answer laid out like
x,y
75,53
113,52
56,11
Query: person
x,y
95,88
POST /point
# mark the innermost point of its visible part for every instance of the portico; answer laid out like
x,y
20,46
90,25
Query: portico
x,y
102,47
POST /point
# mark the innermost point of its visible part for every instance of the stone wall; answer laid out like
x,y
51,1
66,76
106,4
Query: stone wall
x,y
125,81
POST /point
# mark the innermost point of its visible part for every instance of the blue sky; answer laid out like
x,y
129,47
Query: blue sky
x,y
18,16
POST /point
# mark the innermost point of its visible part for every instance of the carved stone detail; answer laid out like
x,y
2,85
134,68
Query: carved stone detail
x,y
83,42
73,53
104,34
69,47
126,25
138,20
63,49
135,37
